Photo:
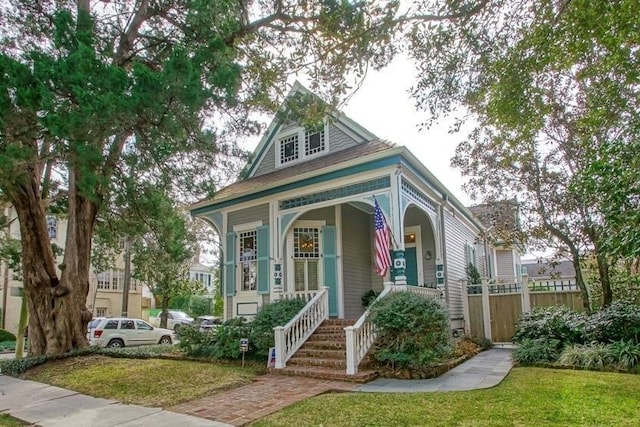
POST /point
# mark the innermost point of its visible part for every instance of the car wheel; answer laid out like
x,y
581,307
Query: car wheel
x,y
165,340
115,343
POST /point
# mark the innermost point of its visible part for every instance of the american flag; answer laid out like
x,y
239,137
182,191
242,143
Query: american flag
x,y
383,259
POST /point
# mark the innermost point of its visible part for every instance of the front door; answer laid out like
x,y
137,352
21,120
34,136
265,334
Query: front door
x,y
411,266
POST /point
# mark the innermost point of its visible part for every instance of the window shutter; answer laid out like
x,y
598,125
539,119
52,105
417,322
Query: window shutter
x,y
330,268
230,265
263,260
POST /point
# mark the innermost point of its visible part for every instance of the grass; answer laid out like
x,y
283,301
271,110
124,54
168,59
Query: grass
x,y
527,397
9,421
147,382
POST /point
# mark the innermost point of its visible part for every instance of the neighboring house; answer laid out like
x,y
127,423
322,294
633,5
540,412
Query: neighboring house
x,y
104,298
205,274
501,239
302,218
552,274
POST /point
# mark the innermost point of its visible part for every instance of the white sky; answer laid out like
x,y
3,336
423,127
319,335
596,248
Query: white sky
x,y
384,107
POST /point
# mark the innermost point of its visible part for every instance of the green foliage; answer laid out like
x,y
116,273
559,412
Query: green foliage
x,y
6,336
200,306
369,297
228,335
7,346
625,354
413,330
218,305
586,356
269,316
532,352
618,322
195,343
482,342
551,323
473,275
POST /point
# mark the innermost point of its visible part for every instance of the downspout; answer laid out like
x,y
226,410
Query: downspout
x,y
444,250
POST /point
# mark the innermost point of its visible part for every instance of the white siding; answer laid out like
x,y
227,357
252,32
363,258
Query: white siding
x,y
457,236
504,262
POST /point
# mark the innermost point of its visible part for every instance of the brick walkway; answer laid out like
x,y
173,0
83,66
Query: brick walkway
x,y
266,395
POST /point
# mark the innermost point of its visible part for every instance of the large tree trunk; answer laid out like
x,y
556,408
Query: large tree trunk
x,y
57,306
575,260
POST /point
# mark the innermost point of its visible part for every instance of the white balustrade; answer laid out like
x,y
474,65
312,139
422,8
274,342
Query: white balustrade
x,y
290,337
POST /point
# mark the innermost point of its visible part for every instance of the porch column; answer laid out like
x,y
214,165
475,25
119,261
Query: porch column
x,y
399,266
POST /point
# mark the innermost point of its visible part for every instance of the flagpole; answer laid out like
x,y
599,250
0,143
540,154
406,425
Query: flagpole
x,y
395,242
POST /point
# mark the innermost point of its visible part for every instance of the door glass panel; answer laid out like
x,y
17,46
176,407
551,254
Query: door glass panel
x,y
299,274
312,266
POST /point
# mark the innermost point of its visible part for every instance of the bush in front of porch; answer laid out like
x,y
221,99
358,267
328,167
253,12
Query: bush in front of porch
x,y
413,331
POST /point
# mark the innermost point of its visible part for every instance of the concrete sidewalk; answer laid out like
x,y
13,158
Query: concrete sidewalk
x,y
49,406
485,370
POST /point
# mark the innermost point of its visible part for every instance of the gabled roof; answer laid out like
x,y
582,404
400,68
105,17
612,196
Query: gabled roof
x,y
269,136
315,166
549,268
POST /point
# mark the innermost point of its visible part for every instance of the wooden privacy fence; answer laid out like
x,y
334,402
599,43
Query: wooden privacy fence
x,y
492,310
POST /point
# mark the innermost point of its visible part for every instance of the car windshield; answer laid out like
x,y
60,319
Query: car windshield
x,y
179,315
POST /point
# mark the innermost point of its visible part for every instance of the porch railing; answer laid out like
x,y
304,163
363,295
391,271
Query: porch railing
x,y
291,336
360,337
437,294
305,295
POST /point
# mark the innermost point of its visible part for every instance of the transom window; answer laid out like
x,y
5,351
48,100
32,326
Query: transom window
x,y
306,258
290,147
248,260
52,227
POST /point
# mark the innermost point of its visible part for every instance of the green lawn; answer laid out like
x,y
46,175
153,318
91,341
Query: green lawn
x,y
9,421
527,397
147,382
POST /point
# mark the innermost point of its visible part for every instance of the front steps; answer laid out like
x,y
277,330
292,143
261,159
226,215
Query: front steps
x,y
324,356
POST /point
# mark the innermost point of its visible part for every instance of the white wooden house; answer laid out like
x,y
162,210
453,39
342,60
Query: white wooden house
x,y
302,219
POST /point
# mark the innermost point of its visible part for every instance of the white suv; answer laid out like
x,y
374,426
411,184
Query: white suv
x,y
120,332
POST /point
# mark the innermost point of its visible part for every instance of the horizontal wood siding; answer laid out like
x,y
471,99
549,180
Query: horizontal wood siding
x,y
338,140
268,163
243,216
356,259
229,308
457,236
327,214
504,262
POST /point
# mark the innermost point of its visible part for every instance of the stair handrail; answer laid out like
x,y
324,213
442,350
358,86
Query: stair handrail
x,y
290,337
361,336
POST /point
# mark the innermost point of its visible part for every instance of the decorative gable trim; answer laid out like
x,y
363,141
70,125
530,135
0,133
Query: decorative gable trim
x,y
338,119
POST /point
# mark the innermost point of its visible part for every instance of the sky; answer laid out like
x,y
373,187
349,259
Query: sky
x,y
384,107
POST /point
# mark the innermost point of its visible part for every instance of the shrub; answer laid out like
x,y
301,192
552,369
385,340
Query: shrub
x,y
195,343
278,313
625,354
593,355
6,336
228,335
551,323
369,297
539,351
618,322
413,331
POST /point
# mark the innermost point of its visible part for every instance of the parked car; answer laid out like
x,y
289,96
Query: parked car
x,y
175,319
207,323
92,326
125,332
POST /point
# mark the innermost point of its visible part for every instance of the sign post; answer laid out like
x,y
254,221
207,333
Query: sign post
x,y
244,346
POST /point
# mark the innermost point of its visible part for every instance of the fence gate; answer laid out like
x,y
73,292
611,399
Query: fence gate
x,y
493,310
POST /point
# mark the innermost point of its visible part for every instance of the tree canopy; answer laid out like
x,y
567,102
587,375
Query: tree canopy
x,y
551,90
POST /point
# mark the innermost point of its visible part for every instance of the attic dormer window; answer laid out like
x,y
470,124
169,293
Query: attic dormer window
x,y
290,148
